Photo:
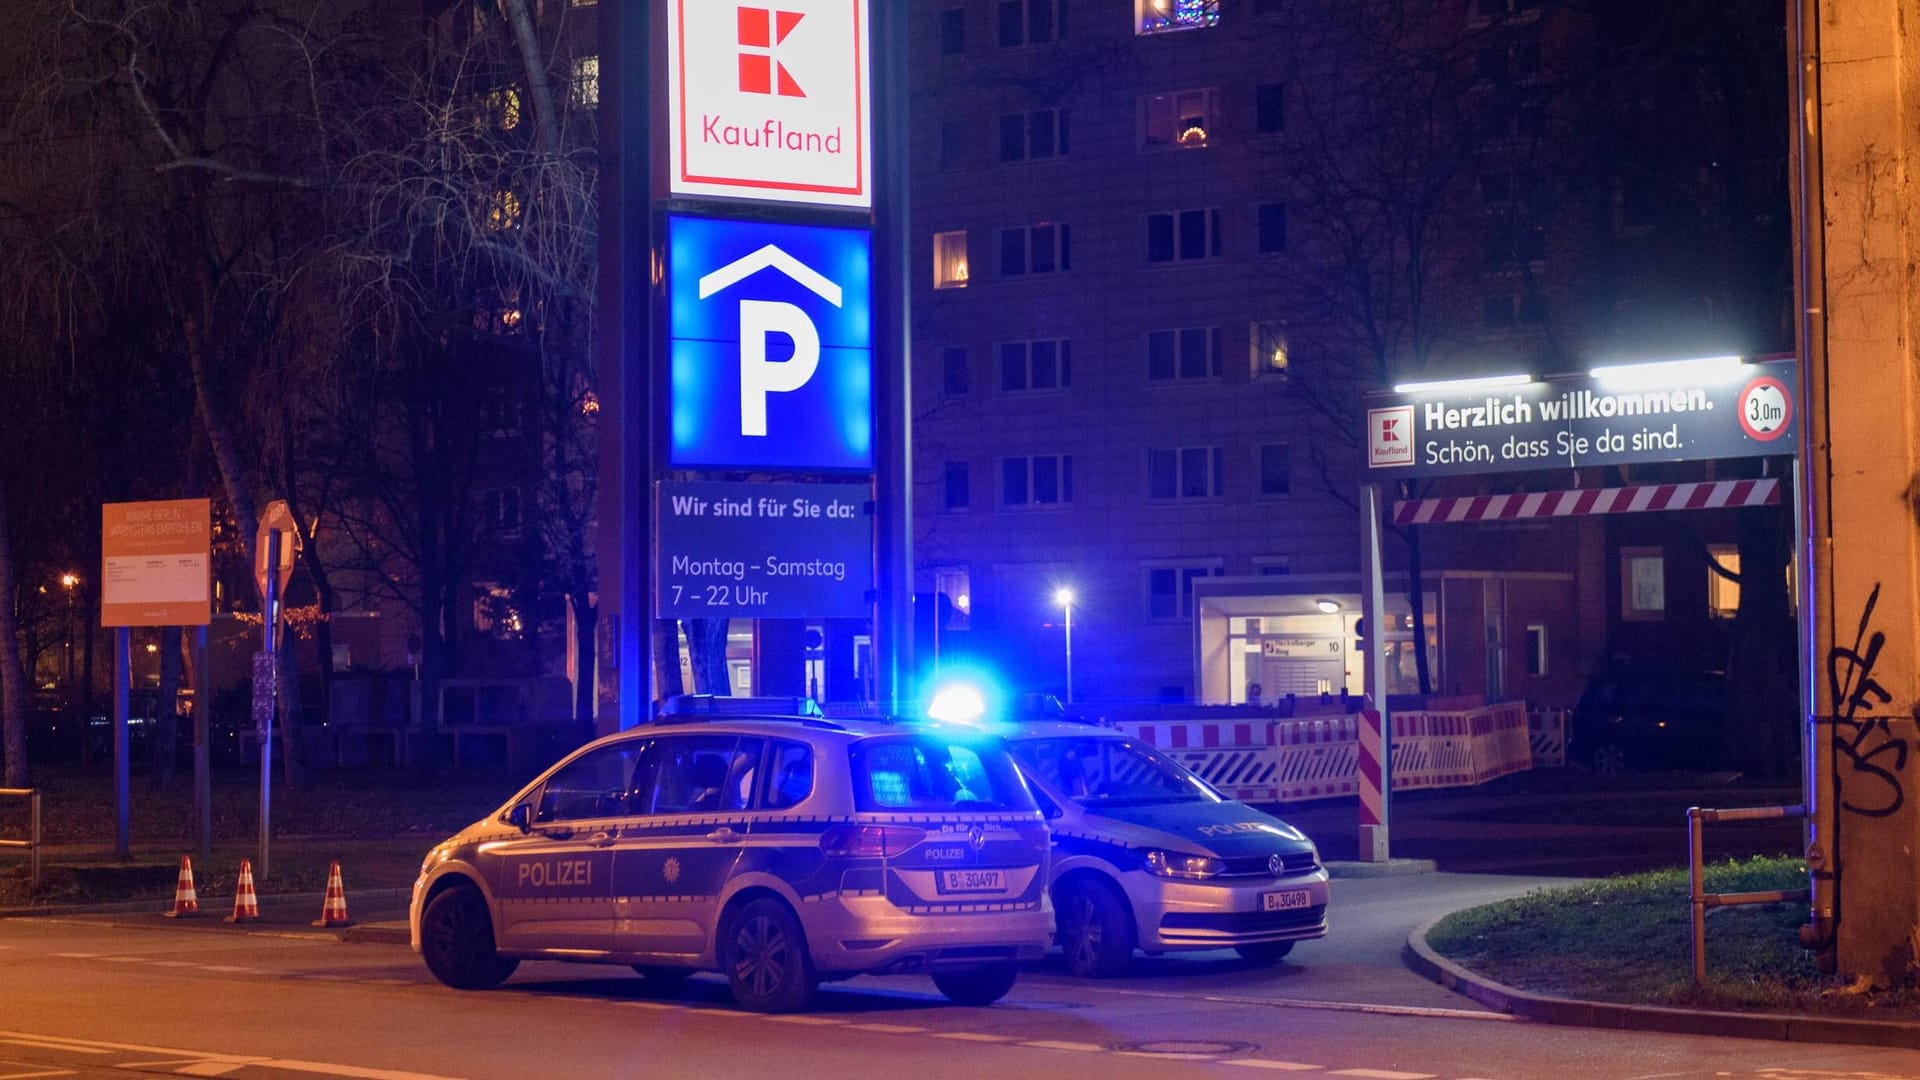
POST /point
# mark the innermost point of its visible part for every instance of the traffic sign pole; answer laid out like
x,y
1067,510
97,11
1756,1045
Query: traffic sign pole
x,y
265,687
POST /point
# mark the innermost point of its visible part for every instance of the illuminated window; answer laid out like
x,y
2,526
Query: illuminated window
x,y
1187,472
1189,353
1035,365
503,211
1032,136
1723,596
950,260
585,88
1159,16
503,108
1643,584
495,613
1041,480
1182,120
1182,235
1271,354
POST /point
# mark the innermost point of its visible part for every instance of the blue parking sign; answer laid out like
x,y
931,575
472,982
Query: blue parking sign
x,y
770,329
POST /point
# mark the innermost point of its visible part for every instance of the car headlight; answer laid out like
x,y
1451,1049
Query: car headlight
x,y
1174,864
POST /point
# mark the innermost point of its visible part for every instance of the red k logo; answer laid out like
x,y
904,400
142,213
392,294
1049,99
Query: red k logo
x,y
1388,429
763,29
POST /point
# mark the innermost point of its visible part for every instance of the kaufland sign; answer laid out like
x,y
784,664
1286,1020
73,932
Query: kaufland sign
x,y
770,100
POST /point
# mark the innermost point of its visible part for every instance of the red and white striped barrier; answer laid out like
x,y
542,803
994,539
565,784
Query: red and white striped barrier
x,y
1621,500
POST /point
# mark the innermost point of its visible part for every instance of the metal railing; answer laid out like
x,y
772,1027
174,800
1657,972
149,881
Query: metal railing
x,y
32,842
1701,899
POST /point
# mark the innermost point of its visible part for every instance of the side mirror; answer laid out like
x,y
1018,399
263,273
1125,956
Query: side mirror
x,y
521,817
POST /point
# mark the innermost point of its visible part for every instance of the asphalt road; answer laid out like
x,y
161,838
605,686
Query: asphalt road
x,y
102,996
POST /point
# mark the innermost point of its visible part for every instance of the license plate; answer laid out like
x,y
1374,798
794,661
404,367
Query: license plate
x,y
972,881
1286,900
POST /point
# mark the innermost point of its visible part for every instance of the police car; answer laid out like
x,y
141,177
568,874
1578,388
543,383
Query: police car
x,y
1147,855
779,850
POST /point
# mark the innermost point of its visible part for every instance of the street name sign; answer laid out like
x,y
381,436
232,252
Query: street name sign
x,y
751,549
156,563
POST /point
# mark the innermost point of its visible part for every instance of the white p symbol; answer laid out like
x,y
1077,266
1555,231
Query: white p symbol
x,y
759,320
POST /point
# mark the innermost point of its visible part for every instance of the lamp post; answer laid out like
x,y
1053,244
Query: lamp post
x,y
70,581
1064,597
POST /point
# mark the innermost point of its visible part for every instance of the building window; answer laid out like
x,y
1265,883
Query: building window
x,y
1643,584
1170,589
1160,16
1042,480
950,260
1723,595
1183,120
1536,649
1189,353
495,613
1035,365
1033,249
585,88
502,509
1032,136
1271,354
1270,108
953,143
1182,235
955,486
1275,469
1188,472
954,381
1273,227
953,31
1031,22
956,584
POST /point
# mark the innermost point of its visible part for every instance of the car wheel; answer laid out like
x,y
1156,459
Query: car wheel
x,y
456,940
977,986
1096,932
1609,758
765,957
1265,952
666,978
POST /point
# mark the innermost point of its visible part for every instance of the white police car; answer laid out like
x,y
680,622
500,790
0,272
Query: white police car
x,y
778,850
1147,855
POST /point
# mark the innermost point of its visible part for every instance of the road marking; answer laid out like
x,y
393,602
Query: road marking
x,y
329,978
817,1021
41,1044
972,1036
77,955
1054,1044
654,1005
1280,1066
228,968
1324,1006
209,1068
126,960
888,1029
173,963
46,1072
1383,1074
1166,1055
356,1072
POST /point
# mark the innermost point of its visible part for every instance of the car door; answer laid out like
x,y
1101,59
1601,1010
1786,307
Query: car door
x,y
678,849
553,885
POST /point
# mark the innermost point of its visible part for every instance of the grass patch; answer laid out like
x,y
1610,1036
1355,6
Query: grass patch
x,y
1628,939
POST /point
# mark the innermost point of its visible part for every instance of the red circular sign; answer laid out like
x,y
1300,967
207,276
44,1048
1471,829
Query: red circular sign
x,y
1766,408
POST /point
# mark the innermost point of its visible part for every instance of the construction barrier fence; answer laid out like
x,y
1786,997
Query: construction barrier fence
x,y
1297,758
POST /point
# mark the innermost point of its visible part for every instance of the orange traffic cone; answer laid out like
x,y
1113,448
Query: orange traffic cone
x,y
185,900
246,905
333,911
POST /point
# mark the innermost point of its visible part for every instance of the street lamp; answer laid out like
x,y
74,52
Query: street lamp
x,y
1064,597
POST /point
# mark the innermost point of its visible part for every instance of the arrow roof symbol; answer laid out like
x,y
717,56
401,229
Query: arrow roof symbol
x,y
770,256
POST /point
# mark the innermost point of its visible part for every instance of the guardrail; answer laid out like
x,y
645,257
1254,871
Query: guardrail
x,y
32,842
1698,895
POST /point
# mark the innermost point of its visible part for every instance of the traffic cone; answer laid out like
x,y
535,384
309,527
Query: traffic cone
x,y
246,905
333,911
185,900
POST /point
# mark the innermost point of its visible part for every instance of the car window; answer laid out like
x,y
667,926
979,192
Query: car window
x,y
789,775
595,785
1109,771
698,774
934,772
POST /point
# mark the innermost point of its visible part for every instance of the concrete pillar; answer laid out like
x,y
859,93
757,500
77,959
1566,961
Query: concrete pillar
x,y
1860,408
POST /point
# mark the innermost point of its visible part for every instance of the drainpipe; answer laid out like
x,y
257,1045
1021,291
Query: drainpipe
x,y
1812,479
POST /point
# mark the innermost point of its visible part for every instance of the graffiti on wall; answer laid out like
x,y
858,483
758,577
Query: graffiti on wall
x,y
1863,743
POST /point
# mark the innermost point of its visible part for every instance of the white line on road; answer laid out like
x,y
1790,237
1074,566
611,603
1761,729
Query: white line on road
x,y
209,1068
41,1044
888,1029
77,955
44,1072
1279,1066
1325,1006
796,1018
356,1072
1383,1074
972,1036
1054,1044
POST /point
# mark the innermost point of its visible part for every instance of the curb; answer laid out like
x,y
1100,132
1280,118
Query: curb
x,y
1390,868
1780,1027
135,907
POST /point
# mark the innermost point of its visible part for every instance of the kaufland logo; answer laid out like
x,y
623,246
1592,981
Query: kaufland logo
x,y
760,30
770,100
1390,436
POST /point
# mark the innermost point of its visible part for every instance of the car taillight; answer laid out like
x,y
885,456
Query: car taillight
x,y
869,841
